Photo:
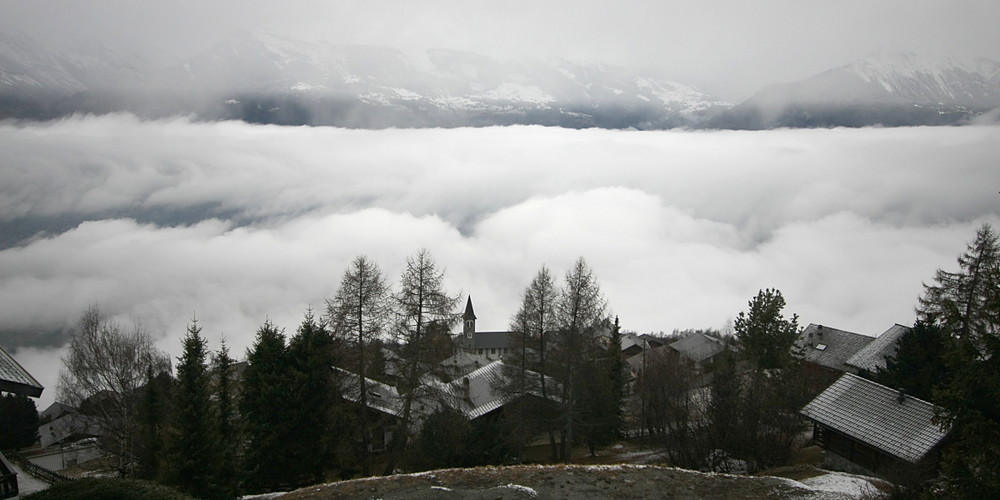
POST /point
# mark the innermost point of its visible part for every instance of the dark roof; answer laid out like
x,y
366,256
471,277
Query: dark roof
x,y
872,414
14,378
698,347
872,357
491,340
469,313
830,347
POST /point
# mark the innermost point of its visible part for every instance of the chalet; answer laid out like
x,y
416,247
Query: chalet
x,y
15,380
872,357
869,428
825,352
698,349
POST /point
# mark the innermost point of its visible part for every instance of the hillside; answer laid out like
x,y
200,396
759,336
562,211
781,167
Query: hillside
x,y
561,482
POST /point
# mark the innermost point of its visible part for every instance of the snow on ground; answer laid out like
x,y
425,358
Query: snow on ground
x,y
839,482
517,487
26,483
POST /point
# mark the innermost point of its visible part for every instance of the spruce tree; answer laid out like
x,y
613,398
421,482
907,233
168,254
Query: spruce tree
x,y
312,400
194,444
227,424
264,407
918,365
965,304
19,421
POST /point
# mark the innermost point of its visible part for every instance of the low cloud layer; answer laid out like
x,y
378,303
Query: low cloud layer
x,y
682,228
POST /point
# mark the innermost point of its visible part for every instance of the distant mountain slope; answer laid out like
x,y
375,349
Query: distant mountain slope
x,y
902,88
261,77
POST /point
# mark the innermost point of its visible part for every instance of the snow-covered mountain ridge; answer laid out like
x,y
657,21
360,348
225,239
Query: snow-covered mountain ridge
x,y
899,88
264,77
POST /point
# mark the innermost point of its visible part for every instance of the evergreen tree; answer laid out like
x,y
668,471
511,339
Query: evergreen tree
x,y
264,407
965,305
227,424
918,366
19,421
155,413
194,443
423,309
312,397
767,338
358,316
775,388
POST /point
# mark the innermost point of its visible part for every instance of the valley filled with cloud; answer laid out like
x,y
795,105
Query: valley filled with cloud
x,y
159,221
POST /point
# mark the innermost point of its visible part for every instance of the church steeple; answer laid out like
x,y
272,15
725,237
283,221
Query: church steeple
x,y
470,319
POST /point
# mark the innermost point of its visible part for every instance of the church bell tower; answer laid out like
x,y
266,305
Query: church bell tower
x,y
469,328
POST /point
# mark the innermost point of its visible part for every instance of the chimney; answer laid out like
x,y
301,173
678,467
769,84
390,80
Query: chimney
x,y
819,330
902,396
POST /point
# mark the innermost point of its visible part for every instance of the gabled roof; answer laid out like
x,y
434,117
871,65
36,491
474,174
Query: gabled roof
x,y
381,397
15,379
830,347
475,394
698,347
872,414
872,357
491,340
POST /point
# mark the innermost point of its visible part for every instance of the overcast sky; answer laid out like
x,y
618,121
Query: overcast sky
x,y
732,47
681,228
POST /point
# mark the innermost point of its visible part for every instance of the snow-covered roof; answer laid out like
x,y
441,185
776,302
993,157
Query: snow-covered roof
x,y
698,347
872,357
15,379
873,414
830,347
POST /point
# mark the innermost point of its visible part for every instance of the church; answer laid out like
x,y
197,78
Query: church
x,y
491,345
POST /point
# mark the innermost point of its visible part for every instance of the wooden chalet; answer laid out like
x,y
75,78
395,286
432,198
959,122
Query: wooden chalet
x,y
16,380
869,428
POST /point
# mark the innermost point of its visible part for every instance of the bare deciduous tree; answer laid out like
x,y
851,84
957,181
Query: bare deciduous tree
x,y
103,370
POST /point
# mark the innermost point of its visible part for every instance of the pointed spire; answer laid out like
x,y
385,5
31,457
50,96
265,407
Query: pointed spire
x,y
469,313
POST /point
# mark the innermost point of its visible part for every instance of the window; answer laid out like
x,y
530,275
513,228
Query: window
x,y
480,352
820,347
493,350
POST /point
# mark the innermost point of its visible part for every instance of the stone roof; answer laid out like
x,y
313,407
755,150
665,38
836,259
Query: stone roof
x,y
15,379
872,414
698,347
872,357
830,347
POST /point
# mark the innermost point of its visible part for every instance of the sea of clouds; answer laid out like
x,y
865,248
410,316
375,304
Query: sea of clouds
x,y
236,223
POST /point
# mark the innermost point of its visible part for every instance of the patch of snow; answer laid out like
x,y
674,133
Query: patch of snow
x,y
407,95
519,92
352,79
441,488
839,482
302,86
517,487
232,101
